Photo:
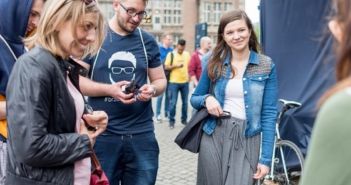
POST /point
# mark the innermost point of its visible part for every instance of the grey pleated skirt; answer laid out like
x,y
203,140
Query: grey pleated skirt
x,y
227,157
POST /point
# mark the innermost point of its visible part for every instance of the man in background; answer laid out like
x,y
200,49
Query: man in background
x,y
178,81
165,48
195,65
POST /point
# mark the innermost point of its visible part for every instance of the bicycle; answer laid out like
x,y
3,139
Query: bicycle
x,y
283,151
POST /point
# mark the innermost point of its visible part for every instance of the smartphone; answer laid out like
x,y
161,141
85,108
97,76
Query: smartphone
x,y
131,87
225,114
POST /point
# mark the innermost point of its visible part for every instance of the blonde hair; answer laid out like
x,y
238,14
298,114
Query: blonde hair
x,y
56,13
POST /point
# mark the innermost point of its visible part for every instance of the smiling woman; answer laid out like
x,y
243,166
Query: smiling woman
x,y
245,84
48,141
82,27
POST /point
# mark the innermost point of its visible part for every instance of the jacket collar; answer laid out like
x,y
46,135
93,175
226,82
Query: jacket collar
x,y
253,58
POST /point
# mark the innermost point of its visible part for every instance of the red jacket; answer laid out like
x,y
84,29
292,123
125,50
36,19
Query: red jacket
x,y
195,68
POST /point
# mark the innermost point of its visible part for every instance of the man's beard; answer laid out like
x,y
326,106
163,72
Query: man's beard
x,y
30,33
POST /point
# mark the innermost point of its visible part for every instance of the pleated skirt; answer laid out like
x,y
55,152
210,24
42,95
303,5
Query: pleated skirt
x,y
227,157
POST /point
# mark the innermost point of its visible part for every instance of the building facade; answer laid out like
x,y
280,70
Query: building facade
x,y
179,17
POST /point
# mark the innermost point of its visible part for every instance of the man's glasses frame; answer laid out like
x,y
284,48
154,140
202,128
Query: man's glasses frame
x,y
132,12
119,70
87,2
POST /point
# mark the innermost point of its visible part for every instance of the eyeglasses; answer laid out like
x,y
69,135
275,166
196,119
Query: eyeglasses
x,y
126,70
87,2
132,12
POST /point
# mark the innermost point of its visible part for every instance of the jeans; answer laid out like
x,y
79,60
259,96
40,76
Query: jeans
x,y
173,89
128,159
159,103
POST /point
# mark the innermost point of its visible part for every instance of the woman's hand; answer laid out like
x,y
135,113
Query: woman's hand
x,y
262,171
97,120
84,130
213,106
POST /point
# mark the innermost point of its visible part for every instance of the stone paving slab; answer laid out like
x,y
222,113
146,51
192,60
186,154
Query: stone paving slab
x,y
176,166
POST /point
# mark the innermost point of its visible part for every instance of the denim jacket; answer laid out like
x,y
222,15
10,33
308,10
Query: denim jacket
x,y
260,98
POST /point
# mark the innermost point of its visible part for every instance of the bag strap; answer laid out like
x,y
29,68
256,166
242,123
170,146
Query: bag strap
x,y
172,56
147,59
8,46
94,160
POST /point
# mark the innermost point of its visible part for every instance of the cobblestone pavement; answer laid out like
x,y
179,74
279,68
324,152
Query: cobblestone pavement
x,y
176,166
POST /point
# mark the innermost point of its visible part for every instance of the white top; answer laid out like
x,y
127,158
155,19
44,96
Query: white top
x,y
234,98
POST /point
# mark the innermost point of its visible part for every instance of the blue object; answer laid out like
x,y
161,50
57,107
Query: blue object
x,y
295,35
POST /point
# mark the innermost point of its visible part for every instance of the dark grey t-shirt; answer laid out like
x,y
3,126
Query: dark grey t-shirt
x,y
123,58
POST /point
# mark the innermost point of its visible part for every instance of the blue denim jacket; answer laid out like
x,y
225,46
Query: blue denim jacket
x,y
260,98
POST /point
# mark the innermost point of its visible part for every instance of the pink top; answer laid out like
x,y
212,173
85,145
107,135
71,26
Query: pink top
x,y
82,168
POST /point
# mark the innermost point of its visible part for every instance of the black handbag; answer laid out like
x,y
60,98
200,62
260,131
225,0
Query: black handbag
x,y
168,72
190,137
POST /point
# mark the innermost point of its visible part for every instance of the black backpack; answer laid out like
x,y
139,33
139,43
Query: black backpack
x,y
168,72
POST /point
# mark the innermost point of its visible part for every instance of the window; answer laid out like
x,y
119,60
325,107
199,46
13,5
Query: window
x,y
206,12
217,10
172,12
157,20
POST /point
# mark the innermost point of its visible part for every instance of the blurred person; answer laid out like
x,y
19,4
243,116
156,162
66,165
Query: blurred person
x,y
129,57
195,65
328,151
244,83
165,48
48,141
178,81
18,19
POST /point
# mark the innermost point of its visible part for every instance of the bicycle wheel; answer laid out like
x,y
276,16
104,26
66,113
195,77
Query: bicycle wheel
x,y
293,161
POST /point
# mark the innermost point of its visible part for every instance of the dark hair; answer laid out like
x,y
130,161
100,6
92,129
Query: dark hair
x,y
222,49
181,42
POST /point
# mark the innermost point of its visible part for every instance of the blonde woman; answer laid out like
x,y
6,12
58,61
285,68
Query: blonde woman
x,y
48,142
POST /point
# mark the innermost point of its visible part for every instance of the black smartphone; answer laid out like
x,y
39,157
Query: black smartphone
x,y
131,87
225,114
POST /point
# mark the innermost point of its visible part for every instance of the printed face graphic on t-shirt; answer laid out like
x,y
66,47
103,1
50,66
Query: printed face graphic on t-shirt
x,y
122,66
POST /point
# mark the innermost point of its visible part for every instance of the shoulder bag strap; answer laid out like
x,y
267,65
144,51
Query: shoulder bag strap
x,y
147,59
172,56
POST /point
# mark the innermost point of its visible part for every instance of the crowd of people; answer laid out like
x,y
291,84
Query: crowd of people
x,y
73,84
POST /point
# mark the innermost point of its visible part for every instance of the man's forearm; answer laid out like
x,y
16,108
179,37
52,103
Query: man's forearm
x,y
160,86
91,88
2,110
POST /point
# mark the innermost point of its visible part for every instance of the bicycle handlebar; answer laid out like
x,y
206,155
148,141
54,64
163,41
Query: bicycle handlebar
x,y
289,104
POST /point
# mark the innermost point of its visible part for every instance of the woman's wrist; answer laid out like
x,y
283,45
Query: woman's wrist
x,y
205,98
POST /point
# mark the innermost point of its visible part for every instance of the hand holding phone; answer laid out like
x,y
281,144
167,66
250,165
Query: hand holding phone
x,y
88,110
131,87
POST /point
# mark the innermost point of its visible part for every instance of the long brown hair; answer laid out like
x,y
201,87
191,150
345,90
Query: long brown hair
x,y
220,52
343,68
343,17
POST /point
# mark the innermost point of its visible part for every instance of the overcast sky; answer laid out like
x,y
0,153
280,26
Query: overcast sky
x,y
251,8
